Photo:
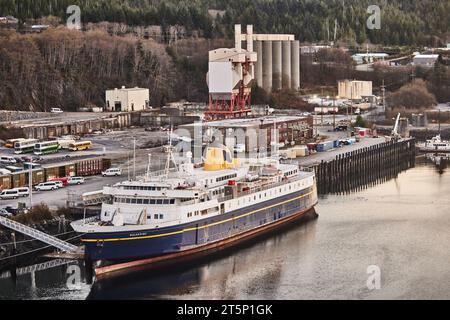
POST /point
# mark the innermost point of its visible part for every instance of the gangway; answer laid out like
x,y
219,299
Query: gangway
x,y
38,235
94,198
37,267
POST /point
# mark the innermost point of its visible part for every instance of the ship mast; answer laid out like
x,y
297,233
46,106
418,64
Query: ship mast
x,y
170,158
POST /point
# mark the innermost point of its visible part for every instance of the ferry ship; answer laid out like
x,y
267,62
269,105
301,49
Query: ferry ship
x,y
435,144
188,209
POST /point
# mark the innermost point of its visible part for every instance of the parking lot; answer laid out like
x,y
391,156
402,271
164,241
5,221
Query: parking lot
x,y
115,145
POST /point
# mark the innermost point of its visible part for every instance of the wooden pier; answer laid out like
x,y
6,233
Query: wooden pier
x,y
366,167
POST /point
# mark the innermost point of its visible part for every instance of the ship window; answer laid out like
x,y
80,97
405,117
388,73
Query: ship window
x,y
152,201
159,201
155,216
161,216
146,201
149,216
128,200
133,201
172,201
166,201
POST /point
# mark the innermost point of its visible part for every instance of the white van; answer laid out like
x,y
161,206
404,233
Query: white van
x,y
56,110
4,172
8,159
47,186
14,193
75,180
111,172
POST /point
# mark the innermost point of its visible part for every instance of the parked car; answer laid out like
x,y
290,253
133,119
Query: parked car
x,y
111,172
75,180
14,193
62,182
5,213
8,160
4,172
56,110
48,186
30,159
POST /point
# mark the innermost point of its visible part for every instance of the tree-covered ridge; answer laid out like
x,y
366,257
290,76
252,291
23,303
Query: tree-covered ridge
x,y
403,22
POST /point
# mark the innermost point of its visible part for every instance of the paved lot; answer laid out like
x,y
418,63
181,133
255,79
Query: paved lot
x,y
325,156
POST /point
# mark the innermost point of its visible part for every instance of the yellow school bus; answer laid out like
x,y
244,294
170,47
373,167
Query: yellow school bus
x,y
10,143
79,146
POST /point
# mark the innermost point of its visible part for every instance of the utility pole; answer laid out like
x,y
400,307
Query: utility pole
x,y
334,112
30,184
413,76
383,92
315,119
149,166
134,158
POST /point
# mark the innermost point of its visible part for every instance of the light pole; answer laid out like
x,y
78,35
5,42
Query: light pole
x,y
30,184
134,158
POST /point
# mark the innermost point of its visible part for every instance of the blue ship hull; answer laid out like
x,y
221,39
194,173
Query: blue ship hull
x,y
199,235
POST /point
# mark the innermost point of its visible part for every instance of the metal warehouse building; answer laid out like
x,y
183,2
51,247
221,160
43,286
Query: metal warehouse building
x,y
127,100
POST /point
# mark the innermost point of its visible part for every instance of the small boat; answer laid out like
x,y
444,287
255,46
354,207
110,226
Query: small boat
x,y
435,144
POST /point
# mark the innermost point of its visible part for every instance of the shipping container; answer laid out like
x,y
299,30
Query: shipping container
x,y
325,146
51,173
5,182
92,166
301,151
71,170
19,180
38,177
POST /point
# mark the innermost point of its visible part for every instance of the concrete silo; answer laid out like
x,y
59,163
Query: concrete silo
x,y
286,72
295,65
277,65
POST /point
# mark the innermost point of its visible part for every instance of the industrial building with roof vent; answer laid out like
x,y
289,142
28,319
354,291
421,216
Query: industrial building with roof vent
x,y
126,100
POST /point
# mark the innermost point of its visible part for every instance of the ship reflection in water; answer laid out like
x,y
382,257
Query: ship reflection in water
x,y
441,161
401,226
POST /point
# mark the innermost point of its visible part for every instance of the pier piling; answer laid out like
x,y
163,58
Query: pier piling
x,y
357,170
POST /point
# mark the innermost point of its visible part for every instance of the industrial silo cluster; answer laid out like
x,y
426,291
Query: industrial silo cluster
x,y
278,59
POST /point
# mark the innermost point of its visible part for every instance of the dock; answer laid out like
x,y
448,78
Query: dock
x,y
356,170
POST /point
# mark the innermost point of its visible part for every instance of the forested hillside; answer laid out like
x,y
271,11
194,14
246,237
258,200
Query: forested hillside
x,y
404,22
72,69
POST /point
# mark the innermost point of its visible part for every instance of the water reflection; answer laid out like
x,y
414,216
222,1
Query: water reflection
x,y
440,160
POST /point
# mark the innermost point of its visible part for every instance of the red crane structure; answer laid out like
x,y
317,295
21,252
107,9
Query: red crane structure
x,y
231,72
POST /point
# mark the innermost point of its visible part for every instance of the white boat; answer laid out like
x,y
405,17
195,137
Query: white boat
x,y
188,210
435,144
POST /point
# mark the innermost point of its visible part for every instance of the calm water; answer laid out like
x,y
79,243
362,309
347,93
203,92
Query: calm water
x,y
401,226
